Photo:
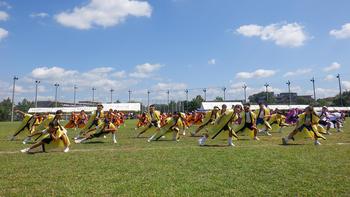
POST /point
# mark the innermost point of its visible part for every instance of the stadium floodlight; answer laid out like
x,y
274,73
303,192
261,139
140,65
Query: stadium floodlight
x,y
129,95
36,93
111,95
75,94
313,87
224,90
205,94
245,92
267,92
340,92
290,94
148,92
15,78
56,86
93,94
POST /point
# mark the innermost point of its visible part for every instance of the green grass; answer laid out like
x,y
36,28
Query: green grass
x,y
134,167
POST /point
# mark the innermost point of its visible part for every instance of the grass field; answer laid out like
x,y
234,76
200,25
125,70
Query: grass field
x,y
134,167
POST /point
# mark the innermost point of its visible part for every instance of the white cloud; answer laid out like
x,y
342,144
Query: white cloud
x,y
3,33
105,13
286,35
145,70
3,16
53,73
342,33
260,73
169,86
119,74
212,62
5,4
300,71
333,66
39,15
329,78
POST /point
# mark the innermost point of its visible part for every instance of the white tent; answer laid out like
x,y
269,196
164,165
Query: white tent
x,y
210,105
126,107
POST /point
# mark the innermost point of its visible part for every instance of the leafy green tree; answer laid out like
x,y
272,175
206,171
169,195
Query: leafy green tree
x,y
5,109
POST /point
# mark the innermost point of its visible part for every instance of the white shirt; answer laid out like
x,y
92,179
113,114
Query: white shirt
x,y
248,119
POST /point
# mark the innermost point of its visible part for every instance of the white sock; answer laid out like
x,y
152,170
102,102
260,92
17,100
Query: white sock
x,y
114,137
286,139
230,140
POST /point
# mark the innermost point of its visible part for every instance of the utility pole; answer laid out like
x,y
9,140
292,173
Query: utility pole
x,y
93,94
36,93
340,92
148,92
168,92
267,93
205,94
111,95
186,91
129,95
224,90
75,94
313,86
15,78
290,94
56,86
245,92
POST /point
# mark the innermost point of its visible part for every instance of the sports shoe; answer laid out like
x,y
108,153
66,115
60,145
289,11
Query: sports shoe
x,y
114,141
25,150
317,143
256,138
284,141
268,134
66,150
231,144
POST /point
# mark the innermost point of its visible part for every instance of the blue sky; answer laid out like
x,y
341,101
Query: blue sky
x,y
172,44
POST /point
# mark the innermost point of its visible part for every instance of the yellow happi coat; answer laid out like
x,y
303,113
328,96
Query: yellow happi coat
x,y
26,126
246,131
169,126
225,119
305,133
266,117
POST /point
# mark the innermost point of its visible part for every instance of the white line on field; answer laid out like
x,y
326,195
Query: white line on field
x,y
131,149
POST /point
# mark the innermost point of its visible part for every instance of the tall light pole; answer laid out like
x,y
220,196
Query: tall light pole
x,y
36,93
56,86
129,95
168,92
267,92
313,87
245,92
15,78
111,95
186,91
340,92
148,92
75,94
224,90
93,94
205,94
290,94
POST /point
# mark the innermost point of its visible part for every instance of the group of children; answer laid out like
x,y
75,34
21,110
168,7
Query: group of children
x,y
47,131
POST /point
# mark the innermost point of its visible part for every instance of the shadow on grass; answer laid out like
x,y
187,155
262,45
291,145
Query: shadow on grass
x,y
215,146
94,142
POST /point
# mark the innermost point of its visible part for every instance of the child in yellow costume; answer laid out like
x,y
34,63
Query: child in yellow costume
x,y
153,120
209,118
279,120
95,120
247,123
27,126
42,133
262,118
172,124
223,123
55,136
306,127
104,129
